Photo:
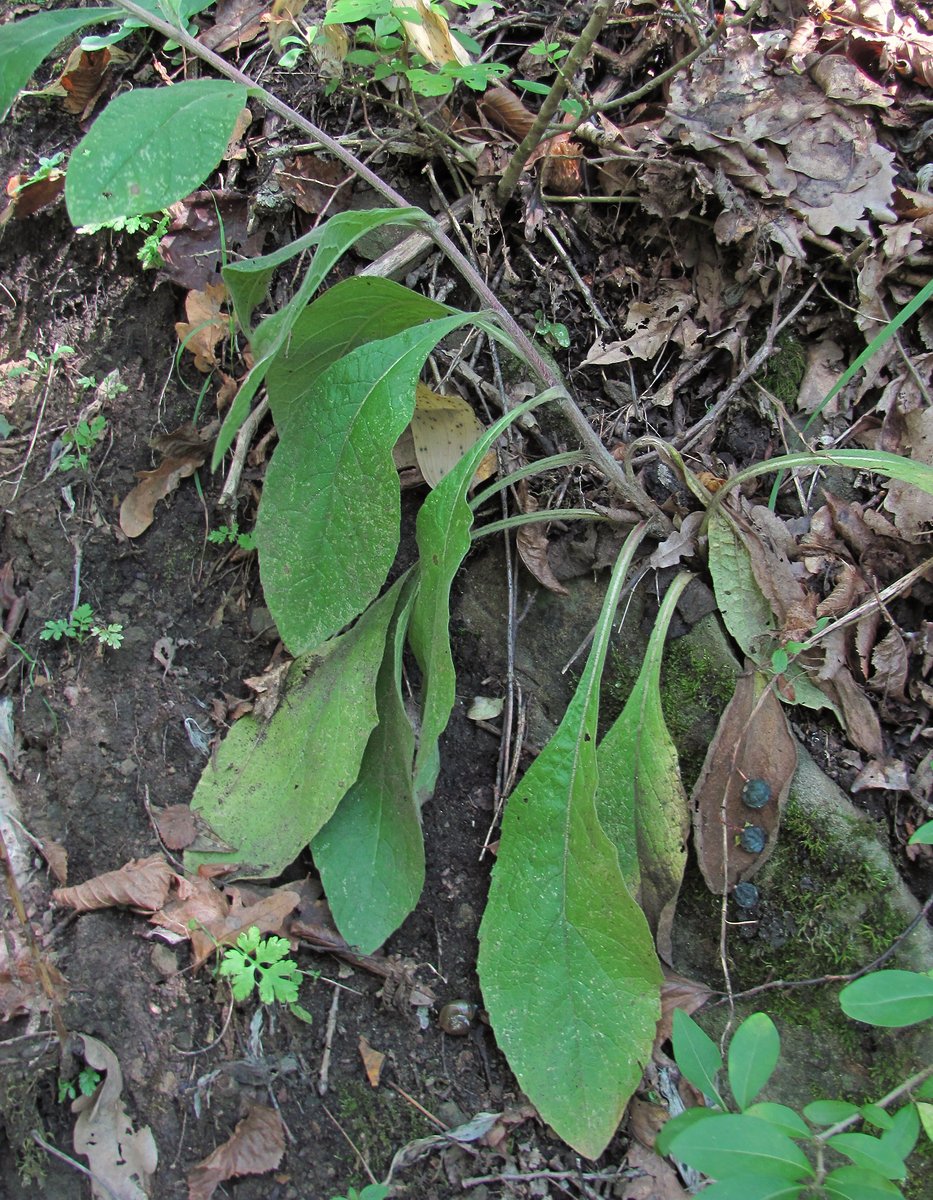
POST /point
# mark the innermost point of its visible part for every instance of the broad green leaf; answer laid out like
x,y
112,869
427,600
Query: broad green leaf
x,y
901,1136
641,801
275,784
676,1125
149,148
732,1146
781,1117
855,1183
697,1055
184,11
349,314
25,43
559,914
922,836
336,472
443,533
877,1116
753,1055
829,1112
248,283
753,1187
925,1113
891,999
869,1152
370,854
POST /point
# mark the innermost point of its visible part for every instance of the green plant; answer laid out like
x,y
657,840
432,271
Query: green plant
x,y
263,965
553,54
45,168
81,625
761,1149
230,535
372,1191
85,1083
80,441
155,230
38,366
555,333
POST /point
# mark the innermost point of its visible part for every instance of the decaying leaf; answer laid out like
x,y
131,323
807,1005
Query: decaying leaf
x,y
269,687
654,1177
372,1061
21,991
207,324
176,826
82,79
313,183
753,742
185,450
255,1147
27,197
429,35
207,228
122,1159
236,22
143,883
913,509
443,429
532,542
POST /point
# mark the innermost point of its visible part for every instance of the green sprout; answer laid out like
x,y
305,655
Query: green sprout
x,y
80,626
86,1082
80,441
263,964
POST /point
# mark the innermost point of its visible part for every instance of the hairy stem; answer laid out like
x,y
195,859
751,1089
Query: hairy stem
x,y
599,455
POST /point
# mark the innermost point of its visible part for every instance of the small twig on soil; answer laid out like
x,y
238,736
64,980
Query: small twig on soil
x,y
227,500
217,1040
353,1146
602,459
65,1158
328,1044
420,1107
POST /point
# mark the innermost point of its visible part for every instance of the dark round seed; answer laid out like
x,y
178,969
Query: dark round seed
x,y
752,839
756,793
745,895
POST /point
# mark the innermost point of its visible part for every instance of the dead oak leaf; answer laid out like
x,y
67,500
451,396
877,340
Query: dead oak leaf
x,y
138,509
207,324
142,883
255,1147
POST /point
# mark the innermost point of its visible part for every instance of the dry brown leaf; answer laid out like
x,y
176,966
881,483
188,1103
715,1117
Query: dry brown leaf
x,y
255,1147
56,856
532,542
505,109
236,22
27,198
122,1159
207,324
82,79
21,990
372,1061
429,36
677,991
890,774
269,687
654,1178
443,429
753,741
313,183
143,883
206,229
138,509
912,508
175,825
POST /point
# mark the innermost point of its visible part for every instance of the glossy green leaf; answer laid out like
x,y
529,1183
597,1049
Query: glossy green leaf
x,y
149,148
901,1136
336,472
559,913
676,1125
275,784
781,1117
829,1112
248,284
891,999
732,1146
641,801
753,1055
753,1187
443,533
25,43
854,1183
869,1152
370,854
697,1055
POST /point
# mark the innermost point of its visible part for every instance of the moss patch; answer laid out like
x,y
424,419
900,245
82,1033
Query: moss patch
x,y
379,1122
785,370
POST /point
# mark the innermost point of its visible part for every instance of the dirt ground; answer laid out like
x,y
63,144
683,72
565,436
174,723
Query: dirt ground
x,y
104,735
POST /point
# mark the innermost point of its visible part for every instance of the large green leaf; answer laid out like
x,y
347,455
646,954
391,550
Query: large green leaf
x,y
753,1055
641,800
149,148
443,532
275,784
732,1146
855,1183
24,44
248,284
328,526
567,964
892,999
370,854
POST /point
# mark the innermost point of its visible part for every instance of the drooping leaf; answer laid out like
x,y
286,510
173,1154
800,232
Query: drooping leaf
x,y
730,1146
370,854
753,1055
275,784
336,470
443,533
25,43
559,912
881,462
149,148
869,1152
641,800
697,1055
248,284
891,999
781,1117
855,1183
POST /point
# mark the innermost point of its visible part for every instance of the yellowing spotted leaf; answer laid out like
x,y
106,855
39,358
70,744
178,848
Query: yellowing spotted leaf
x,y
443,429
430,37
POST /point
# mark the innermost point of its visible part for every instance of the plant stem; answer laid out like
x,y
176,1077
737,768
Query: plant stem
x,y
901,1090
590,440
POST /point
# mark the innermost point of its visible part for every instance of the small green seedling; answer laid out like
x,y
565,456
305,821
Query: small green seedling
x,y
79,442
85,1082
555,333
230,535
45,168
154,230
552,52
37,365
80,626
263,964
372,1191
781,658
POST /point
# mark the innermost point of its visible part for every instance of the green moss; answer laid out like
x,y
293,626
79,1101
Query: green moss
x,y
785,369
378,1121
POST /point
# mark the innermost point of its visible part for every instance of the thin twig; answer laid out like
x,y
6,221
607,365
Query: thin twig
x,y
241,449
328,1044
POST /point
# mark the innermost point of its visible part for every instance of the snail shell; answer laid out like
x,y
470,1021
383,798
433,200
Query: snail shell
x,y
457,1017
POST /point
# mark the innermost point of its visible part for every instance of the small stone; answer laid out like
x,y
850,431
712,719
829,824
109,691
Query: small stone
x,y
756,793
745,895
753,839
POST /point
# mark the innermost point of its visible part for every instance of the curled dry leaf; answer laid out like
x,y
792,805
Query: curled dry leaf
x,y
532,542
21,991
372,1062
207,324
143,883
137,511
236,22
255,1147
429,35
753,742
122,1159
28,197
81,82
